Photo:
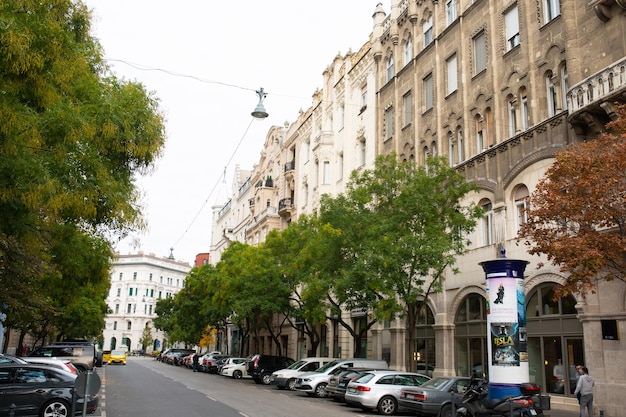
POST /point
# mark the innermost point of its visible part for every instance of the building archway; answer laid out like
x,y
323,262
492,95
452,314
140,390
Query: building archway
x,y
471,336
555,340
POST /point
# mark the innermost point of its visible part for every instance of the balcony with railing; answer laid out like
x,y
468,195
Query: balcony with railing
x,y
498,165
591,101
285,206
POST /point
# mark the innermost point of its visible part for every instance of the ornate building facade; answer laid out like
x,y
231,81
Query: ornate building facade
x,y
137,282
498,87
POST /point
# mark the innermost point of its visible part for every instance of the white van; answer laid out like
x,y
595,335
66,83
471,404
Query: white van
x,y
286,378
314,383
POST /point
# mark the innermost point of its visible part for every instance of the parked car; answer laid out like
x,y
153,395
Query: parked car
x,y
314,383
117,356
337,384
9,359
434,397
105,356
82,354
380,390
63,364
208,362
286,378
235,368
38,390
260,367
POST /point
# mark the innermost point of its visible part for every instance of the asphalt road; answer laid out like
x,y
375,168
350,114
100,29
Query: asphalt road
x,y
147,388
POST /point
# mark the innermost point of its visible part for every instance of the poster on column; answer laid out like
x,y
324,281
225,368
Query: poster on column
x,y
503,315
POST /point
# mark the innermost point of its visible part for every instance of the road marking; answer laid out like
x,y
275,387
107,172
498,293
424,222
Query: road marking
x,y
244,415
211,398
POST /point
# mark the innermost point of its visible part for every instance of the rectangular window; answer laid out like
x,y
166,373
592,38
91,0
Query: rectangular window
x,y
480,53
129,308
121,274
407,102
520,207
340,167
114,325
427,29
487,225
150,311
450,11
119,292
428,92
480,141
452,74
326,173
390,69
150,278
130,292
551,9
134,276
362,152
342,113
511,23
389,123
117,308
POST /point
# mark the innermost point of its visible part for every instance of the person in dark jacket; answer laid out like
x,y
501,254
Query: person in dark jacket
x,y
196,360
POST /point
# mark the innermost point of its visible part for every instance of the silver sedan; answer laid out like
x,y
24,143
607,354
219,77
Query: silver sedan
x,y
380,390
435,397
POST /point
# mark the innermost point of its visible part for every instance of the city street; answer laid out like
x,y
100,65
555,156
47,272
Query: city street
x,y
147,388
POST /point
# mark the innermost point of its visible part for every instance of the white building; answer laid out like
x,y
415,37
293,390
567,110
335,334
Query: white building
x,y
137,282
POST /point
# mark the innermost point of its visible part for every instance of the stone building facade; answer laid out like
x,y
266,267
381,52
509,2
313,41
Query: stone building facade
x,y
498,87
138,281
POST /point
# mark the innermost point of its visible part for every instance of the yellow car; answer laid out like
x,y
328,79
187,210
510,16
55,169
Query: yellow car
x,y
117,356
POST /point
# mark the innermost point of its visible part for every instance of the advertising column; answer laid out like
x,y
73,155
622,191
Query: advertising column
x,y
506,326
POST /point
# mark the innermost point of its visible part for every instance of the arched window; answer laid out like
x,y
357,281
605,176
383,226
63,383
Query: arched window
x,y
389,69
480,136
471,337
521,205
486,223
424,346
451,153
555,340
551,95
427,30
408,50
460,145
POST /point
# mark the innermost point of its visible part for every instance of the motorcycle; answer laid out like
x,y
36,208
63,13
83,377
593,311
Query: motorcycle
x,y
476,404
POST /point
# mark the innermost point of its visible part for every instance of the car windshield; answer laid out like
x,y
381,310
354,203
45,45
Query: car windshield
x,y
365,378
117,352
436,383
296,365
326,367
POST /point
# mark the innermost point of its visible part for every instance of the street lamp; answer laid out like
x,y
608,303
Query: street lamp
x,y
259,112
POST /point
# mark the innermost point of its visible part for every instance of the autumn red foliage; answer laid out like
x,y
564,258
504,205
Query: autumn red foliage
x,y
577,213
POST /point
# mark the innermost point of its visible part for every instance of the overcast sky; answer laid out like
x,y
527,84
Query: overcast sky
x,y
203,60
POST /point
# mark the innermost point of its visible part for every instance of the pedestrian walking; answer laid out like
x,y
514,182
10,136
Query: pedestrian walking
x,y
195,359
584,387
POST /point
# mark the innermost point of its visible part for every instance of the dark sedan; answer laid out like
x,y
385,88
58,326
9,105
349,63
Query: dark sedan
x,y
434,397
38,391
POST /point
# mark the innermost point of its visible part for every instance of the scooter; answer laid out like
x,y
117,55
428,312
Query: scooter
x,y
476,404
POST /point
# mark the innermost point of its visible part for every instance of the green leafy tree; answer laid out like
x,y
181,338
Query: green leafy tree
x,y
72,139
577,213
292,251
401,228
259,295
146,337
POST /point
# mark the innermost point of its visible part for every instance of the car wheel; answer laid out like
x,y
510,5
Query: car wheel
x,y
55,408
387,406
237,374
266,379
320,390
291,384
446,411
